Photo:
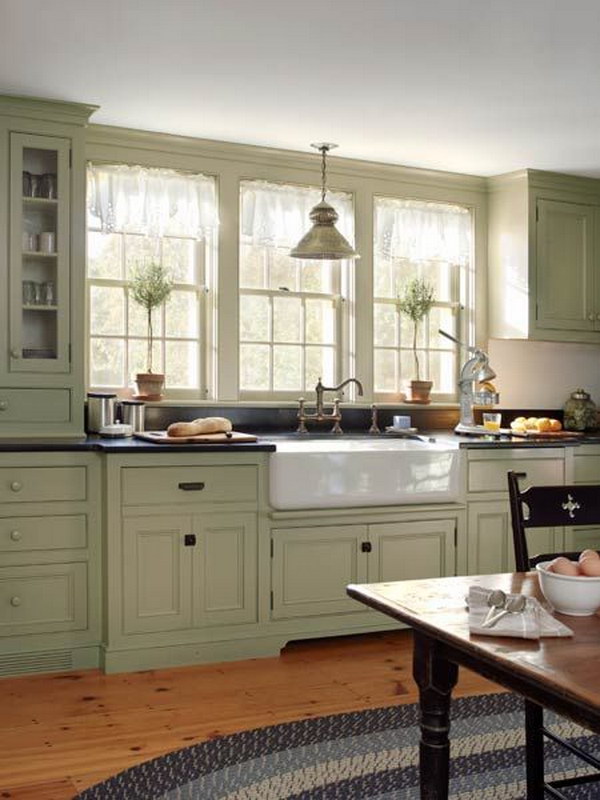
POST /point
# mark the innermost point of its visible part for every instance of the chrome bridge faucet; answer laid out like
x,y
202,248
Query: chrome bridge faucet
x,y
319,415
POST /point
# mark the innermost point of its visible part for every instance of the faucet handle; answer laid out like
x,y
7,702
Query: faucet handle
x,y
374,429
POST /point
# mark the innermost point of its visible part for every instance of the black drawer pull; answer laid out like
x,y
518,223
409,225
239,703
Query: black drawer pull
x,y
189,540
192,487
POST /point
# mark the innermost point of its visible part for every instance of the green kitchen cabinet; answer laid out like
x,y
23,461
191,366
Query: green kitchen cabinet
x,y
188,571
586,471
42,268
313,565
544,257
50,561
490,547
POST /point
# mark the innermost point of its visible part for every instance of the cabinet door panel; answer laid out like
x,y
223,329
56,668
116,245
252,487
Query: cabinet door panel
x,y
225,584
312,567
39,322
407,550
157,579
490,539
565,266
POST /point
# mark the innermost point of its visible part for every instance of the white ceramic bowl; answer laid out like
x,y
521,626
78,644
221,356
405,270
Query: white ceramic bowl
x,y
575,595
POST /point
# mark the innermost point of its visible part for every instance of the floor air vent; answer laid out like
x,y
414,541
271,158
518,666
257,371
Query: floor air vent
x,y
25,663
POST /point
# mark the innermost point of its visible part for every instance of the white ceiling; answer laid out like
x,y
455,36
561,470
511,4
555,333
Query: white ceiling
x,y
477,86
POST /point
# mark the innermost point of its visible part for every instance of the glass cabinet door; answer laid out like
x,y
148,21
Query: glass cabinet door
x,y
39,253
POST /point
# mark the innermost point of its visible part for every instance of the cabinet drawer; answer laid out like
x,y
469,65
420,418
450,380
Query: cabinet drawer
x,y
45,598
35,405
490,476
188,485
587,469
20,534
42,484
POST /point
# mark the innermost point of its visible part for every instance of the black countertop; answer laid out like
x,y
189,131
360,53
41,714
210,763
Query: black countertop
x,y
267,442
126,445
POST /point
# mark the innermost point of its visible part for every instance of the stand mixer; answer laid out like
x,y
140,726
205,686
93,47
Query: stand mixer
x,y
476,369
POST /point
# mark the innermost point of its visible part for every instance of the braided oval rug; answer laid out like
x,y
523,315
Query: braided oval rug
x,y
365,754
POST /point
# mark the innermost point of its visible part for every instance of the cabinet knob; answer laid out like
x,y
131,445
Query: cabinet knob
x,y
591,317
16,486
3,405
597,316
15,601
16,536
15,352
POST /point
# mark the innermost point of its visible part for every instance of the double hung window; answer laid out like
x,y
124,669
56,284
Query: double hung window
x,y
431,241
137,216
292,319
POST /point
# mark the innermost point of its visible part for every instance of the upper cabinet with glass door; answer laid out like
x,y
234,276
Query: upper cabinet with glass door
x,y
39,253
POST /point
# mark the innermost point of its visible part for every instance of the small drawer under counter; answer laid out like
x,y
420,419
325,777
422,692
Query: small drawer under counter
x,y
23,484
29,534
188,485
43,599
487,469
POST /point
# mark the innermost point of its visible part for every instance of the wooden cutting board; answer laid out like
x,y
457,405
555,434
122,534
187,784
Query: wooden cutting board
x,y
161,437
547,434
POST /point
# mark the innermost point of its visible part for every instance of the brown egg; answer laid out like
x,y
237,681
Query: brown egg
x,y
562,566
588,554
590,567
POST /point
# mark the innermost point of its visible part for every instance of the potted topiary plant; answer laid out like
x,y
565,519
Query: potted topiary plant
x,y
150,287
415,303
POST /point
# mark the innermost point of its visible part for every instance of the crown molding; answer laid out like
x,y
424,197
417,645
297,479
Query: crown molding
x,y
111,136
42,108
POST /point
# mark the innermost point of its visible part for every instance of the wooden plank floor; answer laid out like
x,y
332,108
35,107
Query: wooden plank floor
x,y
64,732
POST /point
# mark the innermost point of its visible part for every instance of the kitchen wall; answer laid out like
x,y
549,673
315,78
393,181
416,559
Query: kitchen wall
x,y
543,374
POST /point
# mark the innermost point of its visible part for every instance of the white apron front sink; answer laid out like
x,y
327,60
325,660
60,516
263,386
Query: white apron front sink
x,y
370,472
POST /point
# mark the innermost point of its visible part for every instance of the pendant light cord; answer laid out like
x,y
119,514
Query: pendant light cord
x,y
324,150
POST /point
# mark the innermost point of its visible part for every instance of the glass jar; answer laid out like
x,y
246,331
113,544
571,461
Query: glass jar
x,y
580,412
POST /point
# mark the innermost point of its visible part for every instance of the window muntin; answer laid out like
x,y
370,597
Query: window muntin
x,y
431,241
116,325
291,320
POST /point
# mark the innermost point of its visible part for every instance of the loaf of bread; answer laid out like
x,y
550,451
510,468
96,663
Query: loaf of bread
x,y
200,426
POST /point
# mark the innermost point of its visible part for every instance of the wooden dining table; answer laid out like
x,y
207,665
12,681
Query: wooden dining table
x,y
561,674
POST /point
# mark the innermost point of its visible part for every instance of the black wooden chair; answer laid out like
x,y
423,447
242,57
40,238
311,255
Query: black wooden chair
x,y
541,507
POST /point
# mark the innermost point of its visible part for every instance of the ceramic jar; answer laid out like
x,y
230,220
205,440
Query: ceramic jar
x,y
580,412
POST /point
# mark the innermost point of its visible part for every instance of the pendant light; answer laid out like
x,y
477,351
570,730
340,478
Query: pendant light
x,y
323,241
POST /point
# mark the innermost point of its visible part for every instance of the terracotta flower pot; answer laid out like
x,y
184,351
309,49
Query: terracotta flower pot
x,y
150,385
420,392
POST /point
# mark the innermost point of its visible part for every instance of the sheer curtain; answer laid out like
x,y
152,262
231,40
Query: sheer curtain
x,y
419,231
277,214
152,201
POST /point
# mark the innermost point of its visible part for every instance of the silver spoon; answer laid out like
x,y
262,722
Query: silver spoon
x,y
496,600
513,605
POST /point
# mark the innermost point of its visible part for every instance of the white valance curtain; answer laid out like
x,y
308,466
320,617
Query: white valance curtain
x,y
277,214
420,231
152,201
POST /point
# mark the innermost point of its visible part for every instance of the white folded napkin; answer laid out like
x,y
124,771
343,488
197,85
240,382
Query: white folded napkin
x,y
531,623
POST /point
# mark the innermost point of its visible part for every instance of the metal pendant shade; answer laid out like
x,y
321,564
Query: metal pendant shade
x,y
323,241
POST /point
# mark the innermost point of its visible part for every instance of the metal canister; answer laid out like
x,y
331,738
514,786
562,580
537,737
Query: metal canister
x,y
132,412
100,410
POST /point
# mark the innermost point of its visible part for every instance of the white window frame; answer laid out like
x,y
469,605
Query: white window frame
x,y
462,305
205,264
341,297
